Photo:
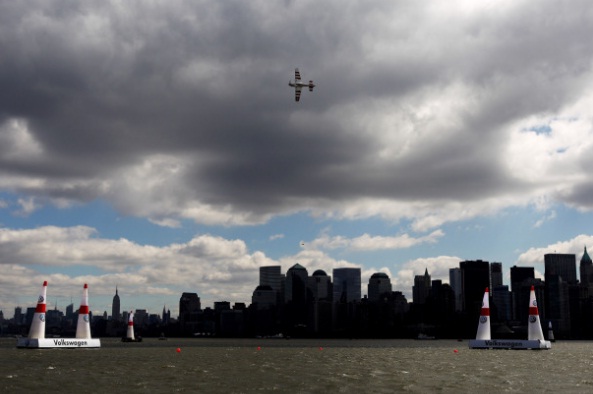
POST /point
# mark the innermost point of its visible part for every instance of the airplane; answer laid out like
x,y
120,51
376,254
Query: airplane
x,y
297,84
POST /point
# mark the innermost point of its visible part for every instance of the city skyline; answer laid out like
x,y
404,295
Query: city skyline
x,y
276,271
156,147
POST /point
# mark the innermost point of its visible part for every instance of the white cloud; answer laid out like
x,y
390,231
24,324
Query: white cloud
x,y
28,206
367,242
534,257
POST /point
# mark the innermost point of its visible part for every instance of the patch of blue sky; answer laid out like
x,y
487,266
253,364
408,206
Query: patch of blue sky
x,y
540,129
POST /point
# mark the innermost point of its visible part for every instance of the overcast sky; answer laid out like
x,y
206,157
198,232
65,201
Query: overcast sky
x,y
156,145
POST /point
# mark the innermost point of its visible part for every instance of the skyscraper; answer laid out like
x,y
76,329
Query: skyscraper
x,y
271,276
115,306
560,275
320,286
495,275
421,289
189,306
563,265
521,280
455,282
347,285
295,288
586,270
379,285
475,277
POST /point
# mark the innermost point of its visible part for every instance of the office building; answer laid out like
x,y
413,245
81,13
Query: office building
x,y
475,278
115,307
495,275
519,294
379,287
586,271
563,265
347,284
421,289
455,283
320,286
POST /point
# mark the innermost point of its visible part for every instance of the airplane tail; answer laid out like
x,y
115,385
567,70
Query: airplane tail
x,y
311,86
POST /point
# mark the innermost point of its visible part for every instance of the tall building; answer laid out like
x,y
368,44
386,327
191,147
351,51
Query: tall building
x,y
264,297
501,301
379,287
495,275
166,315
115,307
520,276
295,287
347,284
475,277
563,265
189,307
18,315
320,286
421,289
295,296
586,270
560,275
455,283
271,276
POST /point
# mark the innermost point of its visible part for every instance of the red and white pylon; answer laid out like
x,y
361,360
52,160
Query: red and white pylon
x,y
37,330
130,334
83,326
484,324
534,327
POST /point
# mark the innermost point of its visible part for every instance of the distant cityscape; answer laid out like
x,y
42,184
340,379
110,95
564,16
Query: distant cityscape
x,y
296,304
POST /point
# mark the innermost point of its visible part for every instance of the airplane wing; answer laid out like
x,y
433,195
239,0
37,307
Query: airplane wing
x,y
297,75
297,93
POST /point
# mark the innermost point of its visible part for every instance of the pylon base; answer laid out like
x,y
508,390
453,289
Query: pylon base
x,y
518,344
58,343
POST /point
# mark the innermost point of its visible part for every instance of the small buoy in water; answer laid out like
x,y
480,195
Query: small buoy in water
x,y
259,348
320,348
178,350
455,351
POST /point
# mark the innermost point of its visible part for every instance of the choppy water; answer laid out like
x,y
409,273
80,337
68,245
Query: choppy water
x,y
294,366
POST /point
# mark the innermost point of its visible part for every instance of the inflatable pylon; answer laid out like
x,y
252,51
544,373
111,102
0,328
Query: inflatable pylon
x,y
130,333
550,332
83,327
534,327
484,324
37,330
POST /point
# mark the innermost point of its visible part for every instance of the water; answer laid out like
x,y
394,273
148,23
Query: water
x,y
294,366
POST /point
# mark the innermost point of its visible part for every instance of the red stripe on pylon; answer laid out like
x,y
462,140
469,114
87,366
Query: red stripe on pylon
x,y
533,310
40,308
84,310
485,312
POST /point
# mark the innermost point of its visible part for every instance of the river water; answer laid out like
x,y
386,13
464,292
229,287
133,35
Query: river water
x,y
294,366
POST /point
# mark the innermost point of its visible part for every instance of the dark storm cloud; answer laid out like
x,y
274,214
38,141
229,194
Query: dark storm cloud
x,y
412,103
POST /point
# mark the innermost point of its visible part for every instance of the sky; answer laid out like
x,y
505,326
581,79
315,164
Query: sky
x,y
157,147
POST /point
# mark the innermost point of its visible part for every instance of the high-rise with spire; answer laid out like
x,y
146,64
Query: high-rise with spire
x,y
115,307
586,270
421,289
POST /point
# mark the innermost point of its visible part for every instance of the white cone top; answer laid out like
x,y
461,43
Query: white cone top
x,y
37,329
484,323
534,327
83,326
